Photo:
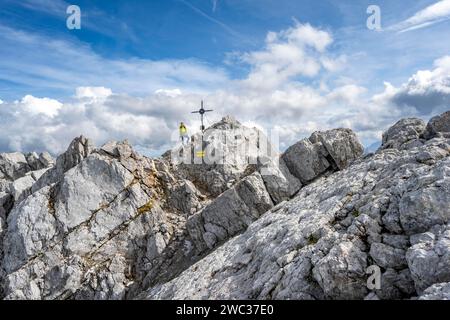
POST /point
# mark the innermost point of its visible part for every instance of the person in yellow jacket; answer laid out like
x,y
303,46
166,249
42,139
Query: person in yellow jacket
x,y
183,133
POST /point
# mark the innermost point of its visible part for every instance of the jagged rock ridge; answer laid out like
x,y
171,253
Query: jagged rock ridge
x,y
107,223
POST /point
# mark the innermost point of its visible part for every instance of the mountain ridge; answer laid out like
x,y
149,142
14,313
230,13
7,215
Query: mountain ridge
x,y
108,223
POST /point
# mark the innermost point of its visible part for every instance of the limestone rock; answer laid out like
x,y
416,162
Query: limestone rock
x,y
280,183
16,165
404,134
320,243
388,257
342,146
429,260
185,197
78,149
438,125
323,151
306,160
230,149
341,273
21,187
108,223
440,291
13,165
232,212
423,208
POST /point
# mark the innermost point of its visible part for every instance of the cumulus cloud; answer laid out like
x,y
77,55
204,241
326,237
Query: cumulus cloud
x,y
284,91
45,106
427,91
432,14
92,92
297,51
38,124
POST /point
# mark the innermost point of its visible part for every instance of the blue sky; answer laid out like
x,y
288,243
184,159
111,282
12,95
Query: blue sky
x,y
296,66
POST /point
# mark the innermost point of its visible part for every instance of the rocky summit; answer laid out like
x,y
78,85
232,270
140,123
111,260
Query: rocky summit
x,y
322,220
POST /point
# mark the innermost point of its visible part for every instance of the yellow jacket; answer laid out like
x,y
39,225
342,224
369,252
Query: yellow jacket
x,y
183,129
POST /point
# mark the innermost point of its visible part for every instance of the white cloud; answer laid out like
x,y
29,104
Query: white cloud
x,y
92,92
432,14
169,92
297,51
287,89
426,91
350,94
45,106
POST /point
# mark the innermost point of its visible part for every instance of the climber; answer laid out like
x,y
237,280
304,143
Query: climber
x,y
183,134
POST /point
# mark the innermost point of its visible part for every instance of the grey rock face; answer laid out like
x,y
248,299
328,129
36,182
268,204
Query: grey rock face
x,y
62,238
78,149
16,165
306,160
232,212
232,151
30,227
341,273
280,183
438,125
107,223
423,208
21,187
18,172
429,258
323,151
185,197
404,134
319,244
388,257
342,146
13,165
440,291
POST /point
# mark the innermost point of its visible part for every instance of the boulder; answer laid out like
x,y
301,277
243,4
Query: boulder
x,y
231,151
438,125
21,187
341,273
13,165
78,149
423,208
46,159
279,182
232,212
306,160
404,134
323,151
439,291
342,145
429,258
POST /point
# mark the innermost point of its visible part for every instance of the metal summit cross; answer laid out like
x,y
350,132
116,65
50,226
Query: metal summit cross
x,y
202,111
